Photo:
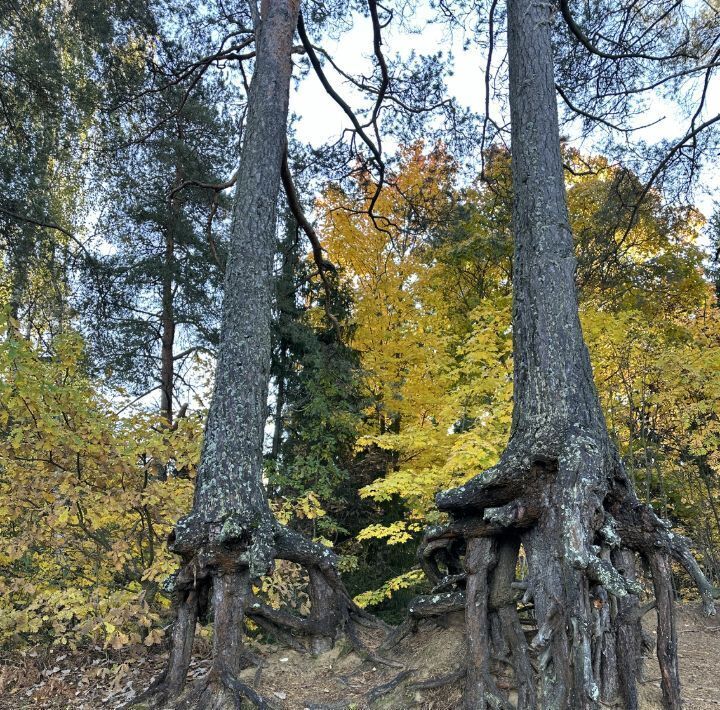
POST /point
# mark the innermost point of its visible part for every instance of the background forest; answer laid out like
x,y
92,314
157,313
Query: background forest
x,y
114,224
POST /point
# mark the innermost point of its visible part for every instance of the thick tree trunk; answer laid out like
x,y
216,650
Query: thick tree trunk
x,y
230,508
560,485
556,406
228,537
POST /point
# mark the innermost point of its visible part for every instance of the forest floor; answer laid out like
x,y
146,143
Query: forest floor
x,y
335,680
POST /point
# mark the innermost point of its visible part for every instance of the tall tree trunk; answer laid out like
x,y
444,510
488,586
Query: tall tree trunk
x,y
229,505
553,385
167,318
228,538
560,484
279,404
556,406
167,337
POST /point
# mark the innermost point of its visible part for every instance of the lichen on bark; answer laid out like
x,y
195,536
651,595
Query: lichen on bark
x,y
560,487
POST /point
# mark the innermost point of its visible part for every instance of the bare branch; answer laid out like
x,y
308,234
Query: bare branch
x,y
322,264
49,225
593,49
690,135
600,119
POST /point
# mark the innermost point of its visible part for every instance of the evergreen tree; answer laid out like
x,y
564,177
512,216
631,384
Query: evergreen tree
x,y
56,58
153,301
560,488
317,402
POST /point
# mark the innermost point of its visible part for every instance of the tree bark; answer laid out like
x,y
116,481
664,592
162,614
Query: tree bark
x,y
279,404
228,537
560,485
230,508
480,690
167,319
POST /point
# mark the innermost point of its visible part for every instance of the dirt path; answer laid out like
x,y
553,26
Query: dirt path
x,y
699,654
338,679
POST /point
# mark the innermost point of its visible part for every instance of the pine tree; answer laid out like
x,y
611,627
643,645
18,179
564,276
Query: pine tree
x,y
152,304
317,403
560,488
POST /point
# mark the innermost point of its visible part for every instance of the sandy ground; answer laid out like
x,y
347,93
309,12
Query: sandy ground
x,y
699,654
335,680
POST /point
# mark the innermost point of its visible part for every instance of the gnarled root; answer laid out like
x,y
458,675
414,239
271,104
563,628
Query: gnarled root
x,y
480,689
225,574
169,685
581,528
666,634
503,604
628,633
220,691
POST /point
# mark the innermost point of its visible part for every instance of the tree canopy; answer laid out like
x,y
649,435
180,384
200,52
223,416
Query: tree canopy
x,y
330,338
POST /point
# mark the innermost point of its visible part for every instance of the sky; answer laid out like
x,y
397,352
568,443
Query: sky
x,y
319,119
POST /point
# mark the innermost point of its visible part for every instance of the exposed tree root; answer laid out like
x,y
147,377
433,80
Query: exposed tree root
x,y
370,697
582,529
581,540
432,683
666,633
242,690
407,627
480,689
379,690
222,572
219,692
169,685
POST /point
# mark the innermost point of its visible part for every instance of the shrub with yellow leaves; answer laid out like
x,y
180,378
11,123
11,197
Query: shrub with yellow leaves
x,y
86,502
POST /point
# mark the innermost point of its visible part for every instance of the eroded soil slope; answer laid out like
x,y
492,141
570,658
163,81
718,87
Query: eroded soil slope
x,y
335,680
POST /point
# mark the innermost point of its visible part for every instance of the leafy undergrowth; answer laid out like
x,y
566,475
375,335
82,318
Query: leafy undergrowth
x,y
98,678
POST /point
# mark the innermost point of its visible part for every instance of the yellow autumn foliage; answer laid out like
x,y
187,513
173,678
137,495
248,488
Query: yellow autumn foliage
x,y
89,490
85,505
431,320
